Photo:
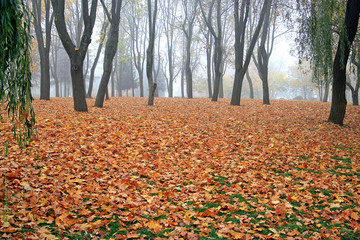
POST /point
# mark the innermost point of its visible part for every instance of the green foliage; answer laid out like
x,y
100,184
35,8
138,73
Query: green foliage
x,y
319,27
15,63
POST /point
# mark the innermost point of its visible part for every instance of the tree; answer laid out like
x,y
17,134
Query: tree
x,y
318,31
15,75
152,14
208,48
241,17
190,12
347,35
264,51
355,60
218,50
43,44
169,10
53,64
96,60
76,53
138,27
110,48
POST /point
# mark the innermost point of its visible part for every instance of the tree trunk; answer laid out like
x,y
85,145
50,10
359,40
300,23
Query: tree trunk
x,y
188,72
338,105
217,63
110,51
53,70
77,77
264,54
266,94
251,88
76,54
240,66
93,68
326,92
43,45
150,52
208,63
182,80
45,76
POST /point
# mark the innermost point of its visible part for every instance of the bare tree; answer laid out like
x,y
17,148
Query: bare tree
x,y
241,15
152,14
43,44
264,51
190,12
138,27
96,60
76,53
169,11
218,41
110,48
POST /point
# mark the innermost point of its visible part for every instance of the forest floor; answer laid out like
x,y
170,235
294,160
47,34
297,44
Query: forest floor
x,y
182,169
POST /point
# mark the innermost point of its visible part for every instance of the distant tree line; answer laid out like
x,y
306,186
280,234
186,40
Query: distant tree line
x,y
165,41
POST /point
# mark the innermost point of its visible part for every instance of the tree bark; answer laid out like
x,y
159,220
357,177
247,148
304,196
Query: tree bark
x,y
110,50
150,52
208,62
96,60
218,51
188,29
264,54
241,65
43,45
338,105
251,88
326,92
76,55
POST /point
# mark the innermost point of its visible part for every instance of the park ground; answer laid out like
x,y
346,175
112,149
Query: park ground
x,y
182,169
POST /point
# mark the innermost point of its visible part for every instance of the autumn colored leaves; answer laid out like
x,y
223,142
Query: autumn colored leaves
x,y
183,169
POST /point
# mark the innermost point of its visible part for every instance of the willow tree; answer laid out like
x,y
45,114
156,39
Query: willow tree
x,y
316,40
15,75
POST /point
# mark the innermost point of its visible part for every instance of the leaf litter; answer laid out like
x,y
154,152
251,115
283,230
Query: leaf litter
x,y
183,169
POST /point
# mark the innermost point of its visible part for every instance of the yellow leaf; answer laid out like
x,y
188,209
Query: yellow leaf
x,y
236,235
153,225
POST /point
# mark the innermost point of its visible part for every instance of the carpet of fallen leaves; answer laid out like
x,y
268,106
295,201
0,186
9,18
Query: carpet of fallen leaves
x,y
183,169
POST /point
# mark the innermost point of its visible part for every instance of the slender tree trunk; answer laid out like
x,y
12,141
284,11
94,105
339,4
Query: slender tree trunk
x,y
76,54
115,71
150,52
217,63
240,66
208,63
132,81
326,92
182,82
338,105
354,94
43,45
110,50
251,88
188,72
96,60
53,70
